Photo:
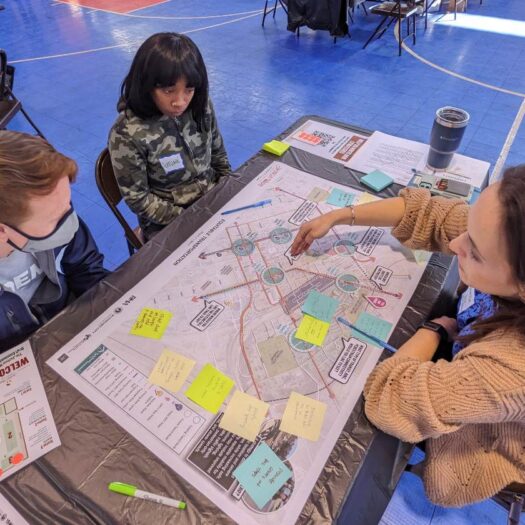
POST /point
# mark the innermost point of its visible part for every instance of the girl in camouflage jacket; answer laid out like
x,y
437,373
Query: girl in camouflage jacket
x,y
166,148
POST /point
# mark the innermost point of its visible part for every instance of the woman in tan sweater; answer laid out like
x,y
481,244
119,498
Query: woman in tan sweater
x,y
471,410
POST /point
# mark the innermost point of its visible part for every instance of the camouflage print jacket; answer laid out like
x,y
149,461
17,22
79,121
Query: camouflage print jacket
x,y
165,164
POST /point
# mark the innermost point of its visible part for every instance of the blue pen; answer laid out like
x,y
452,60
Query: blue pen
x,y
254,205
371,337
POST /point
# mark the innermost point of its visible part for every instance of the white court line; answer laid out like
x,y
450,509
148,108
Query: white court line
x,y
128,44
457,75
151,17
496,172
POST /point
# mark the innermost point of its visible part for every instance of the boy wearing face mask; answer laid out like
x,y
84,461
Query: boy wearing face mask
x,y
47,253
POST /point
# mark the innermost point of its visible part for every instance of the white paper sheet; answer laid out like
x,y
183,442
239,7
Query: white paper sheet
x,y
235,291
326,141
8,514
27,428
398,158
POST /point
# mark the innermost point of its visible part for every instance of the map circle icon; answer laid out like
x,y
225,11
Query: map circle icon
x,y
298,344
344,247
243,247
281,235
273,275
347,282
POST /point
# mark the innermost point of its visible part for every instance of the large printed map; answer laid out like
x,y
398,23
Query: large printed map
x,y
236,293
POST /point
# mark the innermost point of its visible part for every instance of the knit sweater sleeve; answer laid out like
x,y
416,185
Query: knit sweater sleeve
x,y
416,400
430,223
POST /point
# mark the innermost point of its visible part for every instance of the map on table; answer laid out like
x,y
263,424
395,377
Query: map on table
x,y
235,294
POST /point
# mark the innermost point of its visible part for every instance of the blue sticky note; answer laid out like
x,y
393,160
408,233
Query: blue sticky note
x,y
320,306
340,198
372,325
262,474
377,180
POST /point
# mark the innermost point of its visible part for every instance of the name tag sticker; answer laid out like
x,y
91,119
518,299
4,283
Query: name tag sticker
x,y
171,163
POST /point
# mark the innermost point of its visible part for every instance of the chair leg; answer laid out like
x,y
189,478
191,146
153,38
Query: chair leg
x,y
377,29
414,34
34,126
399,37
265,12
131,249
275,9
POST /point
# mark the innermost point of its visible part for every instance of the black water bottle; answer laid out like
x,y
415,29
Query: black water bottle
x,y
448,129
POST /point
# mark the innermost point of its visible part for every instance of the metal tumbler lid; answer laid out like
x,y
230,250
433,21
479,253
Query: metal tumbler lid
x,y
451,117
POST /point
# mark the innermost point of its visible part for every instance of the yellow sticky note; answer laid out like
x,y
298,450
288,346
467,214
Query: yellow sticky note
x,y
303,417
312,330
151,323
210,388
366,197
244,415
171,370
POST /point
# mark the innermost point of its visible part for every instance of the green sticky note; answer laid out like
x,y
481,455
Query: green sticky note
x,y
377,180
210,388
262,474
340,198
372,325
275,147
320,306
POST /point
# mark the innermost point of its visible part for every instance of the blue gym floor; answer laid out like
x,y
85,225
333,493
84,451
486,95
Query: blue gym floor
x,y
71,60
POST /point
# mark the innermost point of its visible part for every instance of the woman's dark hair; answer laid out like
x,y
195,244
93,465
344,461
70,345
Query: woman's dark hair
x,y
509,314
160,62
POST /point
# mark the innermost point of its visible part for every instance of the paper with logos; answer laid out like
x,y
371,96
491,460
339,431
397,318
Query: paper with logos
x,y
329,142
27,427
398,157
222,285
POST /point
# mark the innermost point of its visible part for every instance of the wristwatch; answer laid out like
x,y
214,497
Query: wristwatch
x,y
435,327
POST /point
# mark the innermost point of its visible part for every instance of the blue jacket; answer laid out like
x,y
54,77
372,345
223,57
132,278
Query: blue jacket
x,y
68,272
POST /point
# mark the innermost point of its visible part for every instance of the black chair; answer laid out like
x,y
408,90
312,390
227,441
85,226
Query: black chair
x,y
9,104
108,187
392,11
273,9
512,498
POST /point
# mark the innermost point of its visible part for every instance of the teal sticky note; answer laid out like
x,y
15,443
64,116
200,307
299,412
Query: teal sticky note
x,y
372,325
340,198
262,474
320,306
377,180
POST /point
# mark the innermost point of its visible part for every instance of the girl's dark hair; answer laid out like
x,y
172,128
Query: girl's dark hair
x,y
160,62
510,314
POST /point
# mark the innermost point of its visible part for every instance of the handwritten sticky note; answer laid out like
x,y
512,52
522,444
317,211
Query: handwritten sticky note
x,y
262,474
366,197
340,198
244,415
372,325
317,195
210,388
151,323
320,306
171,370
312,330
303,417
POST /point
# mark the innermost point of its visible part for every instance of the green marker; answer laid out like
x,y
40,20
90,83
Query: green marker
x,y
134,492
